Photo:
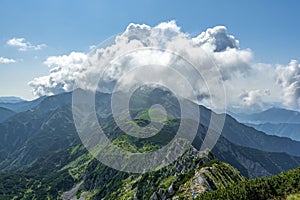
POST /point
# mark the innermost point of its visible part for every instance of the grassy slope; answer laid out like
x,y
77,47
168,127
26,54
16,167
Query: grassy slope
x,y
280,186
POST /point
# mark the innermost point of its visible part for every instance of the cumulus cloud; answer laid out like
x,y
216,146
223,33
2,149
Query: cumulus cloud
x,y
214,53
63,72
288,77
92,47
254,98
217,39
24,45
214,44
227,53
6,60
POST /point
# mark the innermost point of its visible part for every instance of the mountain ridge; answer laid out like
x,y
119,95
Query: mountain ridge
x,y
271,115
41,148
289,130
22,106
274,121
55,128
10,99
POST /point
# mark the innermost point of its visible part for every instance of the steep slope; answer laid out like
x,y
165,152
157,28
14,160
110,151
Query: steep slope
x,y
250,162
187,177
282,186
234,131
46,159
290,130
243,135
45,179
254,163
29,136
49,128
274,121
73,173
5,114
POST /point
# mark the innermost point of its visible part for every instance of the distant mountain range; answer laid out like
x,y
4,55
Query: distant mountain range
x,y
272,115
274,121
18,105
11,99
290,130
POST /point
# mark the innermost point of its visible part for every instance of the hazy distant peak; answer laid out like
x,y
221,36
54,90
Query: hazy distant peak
x,y
11,99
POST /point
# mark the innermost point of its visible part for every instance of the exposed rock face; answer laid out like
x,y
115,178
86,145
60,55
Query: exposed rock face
x,y
199,184
257,170
193,173
72,194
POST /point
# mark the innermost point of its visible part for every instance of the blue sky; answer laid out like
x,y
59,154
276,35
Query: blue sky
x,y
269,28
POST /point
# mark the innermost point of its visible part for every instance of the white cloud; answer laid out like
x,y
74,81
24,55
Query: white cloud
x,y
260,77
217,39
248,85
64,70
92,47
214,44
288,77
253,99
6,60
24,45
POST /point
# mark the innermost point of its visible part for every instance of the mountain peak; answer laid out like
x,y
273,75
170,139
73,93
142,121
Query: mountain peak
x,y
278,109
281,115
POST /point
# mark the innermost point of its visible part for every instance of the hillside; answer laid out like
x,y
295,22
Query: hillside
x,y
20,105
282,186
74,173
42,157
49,127
78,174
290,130
5,114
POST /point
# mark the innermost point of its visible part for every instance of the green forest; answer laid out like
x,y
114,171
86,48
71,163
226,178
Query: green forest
x,y
282,186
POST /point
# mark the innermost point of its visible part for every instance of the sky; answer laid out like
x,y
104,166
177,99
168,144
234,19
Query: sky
x,y
34,31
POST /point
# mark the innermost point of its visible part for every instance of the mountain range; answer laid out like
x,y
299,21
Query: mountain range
x,y
272,115
19,105
274,121
40,146
11,99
